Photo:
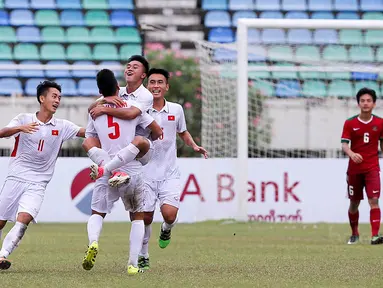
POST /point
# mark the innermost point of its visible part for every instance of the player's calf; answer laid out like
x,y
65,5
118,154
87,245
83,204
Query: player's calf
x,y
169,213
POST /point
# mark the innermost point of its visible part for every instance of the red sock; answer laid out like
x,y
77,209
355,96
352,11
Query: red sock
x,y
354,221
375,221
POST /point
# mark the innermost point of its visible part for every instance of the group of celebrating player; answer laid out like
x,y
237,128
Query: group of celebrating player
x,y
130,137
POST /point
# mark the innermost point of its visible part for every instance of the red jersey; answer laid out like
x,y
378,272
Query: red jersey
x,y
364,138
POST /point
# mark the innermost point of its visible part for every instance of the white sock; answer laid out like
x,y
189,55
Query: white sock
x,y
136,237
98,156
123,157
166,227
145,243
11,241
94,227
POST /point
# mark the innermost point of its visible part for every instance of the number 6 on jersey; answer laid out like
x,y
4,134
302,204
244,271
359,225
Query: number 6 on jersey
x,y
366,138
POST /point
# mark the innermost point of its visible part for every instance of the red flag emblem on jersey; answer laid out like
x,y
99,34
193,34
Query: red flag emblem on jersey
x,y
55,132
171,118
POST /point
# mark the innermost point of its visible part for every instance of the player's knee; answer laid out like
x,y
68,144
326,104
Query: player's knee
x,y
24,218
170,214
354,205
94,212
2,224
148,218
374,202
142,144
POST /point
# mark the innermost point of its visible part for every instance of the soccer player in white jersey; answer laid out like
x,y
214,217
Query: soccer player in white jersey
x,y
162,175
38,140
115,134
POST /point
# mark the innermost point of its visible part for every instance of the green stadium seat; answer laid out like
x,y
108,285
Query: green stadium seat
x,y
53,34
305,53
374,37
26,51
335,53
105,52
47,18
313,88
7,34
280,53
266,88
370,84
78,52
379,54
95,4
372,16
128,50
1,4
256,74
311,74
77,34
52,52
338,75
102,34
284,74
128,35
97,18
351,37
5,52
361,54
340,88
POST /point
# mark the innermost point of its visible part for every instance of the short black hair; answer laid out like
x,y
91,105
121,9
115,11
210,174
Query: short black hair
x,y
163,72
140,59
368,91
44,86
106,83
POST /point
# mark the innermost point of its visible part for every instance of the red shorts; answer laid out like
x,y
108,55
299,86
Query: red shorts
x,y
370,181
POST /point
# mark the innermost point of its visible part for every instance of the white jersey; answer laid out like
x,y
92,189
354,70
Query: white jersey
x,y
34,155
163,164
115,134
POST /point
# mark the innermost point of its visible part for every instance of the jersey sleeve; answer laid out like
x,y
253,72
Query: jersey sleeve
x,y
181,122
70,130
17,121
381,131
90,131
144,102
145,120
346,134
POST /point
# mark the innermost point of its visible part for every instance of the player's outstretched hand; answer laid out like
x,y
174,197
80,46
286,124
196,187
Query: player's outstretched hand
x,y
357,158
96,112
201,150
115,100
30,128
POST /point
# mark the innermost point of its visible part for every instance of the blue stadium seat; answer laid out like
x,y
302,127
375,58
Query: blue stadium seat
x,y
121,4
214,4
296,15
72,18
8,86
68,87
31,73
217,19
299,36
222,54
4,19
271,15
57,73
83,73
347,15
325,36
346,5
364,76
30,86
43,4
322,15
108,64
257,54
294,5
88,87
21,18
371,5
272,36
122,18
288,88
242,14
69,4
222,35
267,5
28,34
253,36
7,73
320,5
241,5
16,4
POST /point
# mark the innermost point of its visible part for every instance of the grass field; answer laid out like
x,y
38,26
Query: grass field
x,y
210,254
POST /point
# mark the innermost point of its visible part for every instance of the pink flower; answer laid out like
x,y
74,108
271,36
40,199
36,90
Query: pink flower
x,y
198,96
188,105
178,73
255,121
170,74
155,46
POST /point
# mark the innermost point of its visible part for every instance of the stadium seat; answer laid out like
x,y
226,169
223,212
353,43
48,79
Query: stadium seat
x,y
373,37
347,15
1,4
78,52
127,35
8,86
372,16
27,73
122,18
217,19
26,51
361,54
53,34
57,73
222,35
346,5
52,52
68,87
16,4
266,88
371,5
270,5
340,88
105,52
242,14
95,4
28,34
71,18
7,34
379,54
271,15
21,18
241,5
8,73
97,18
322,15
43,4
128,50
313,88
47,18
299,36
107,64
102,35
121,4
258,74
213,4
370,84
296,15
88,87
311,74
305,53
84,73
69,4
30,86
77,34
257,54
294,5
335,53
253,36
288,88
284,74
364,76
351,37
320,5
4,19
273,36
325,36
278,53
5,52
338,75
222,54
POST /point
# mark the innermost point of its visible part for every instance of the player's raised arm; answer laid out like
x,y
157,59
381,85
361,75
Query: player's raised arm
x,y
121,113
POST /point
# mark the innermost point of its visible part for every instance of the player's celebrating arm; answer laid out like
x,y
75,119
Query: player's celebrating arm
x,y
364,131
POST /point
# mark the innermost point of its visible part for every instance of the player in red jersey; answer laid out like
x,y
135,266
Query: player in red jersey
x,y
365,132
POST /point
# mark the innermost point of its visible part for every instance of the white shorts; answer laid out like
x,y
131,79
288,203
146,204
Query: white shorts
x,y
165,191
17,196
146,158
132,195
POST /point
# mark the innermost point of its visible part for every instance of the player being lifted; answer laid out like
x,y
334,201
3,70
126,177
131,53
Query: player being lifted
x,y
38,140
365,132
113,139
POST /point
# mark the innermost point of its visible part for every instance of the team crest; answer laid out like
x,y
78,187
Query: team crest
x,y
374,128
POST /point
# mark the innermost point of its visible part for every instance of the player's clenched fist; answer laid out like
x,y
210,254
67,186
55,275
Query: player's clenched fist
x,y
357,158
30,128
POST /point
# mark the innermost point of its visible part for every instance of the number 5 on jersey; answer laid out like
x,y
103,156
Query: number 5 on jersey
x,y
116,128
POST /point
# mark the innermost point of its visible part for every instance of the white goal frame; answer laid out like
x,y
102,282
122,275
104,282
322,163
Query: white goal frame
x,y
242,87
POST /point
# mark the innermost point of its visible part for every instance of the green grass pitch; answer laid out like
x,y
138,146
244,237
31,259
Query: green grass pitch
x,y
209,254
